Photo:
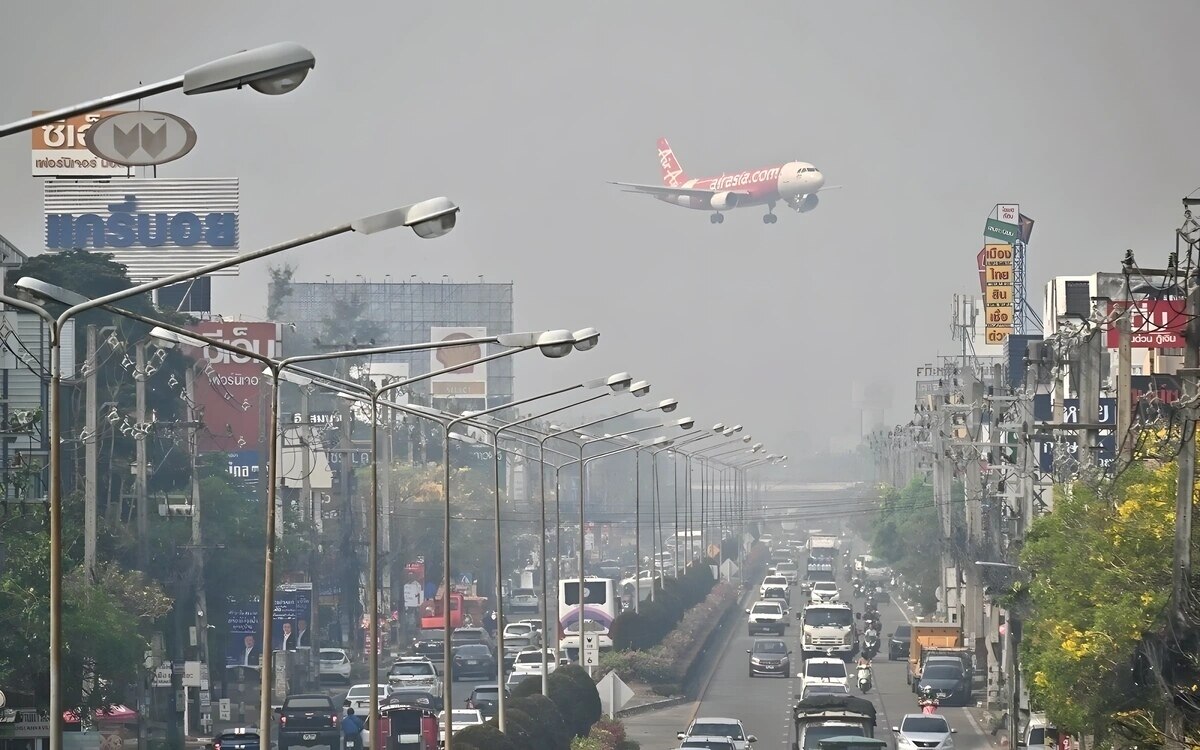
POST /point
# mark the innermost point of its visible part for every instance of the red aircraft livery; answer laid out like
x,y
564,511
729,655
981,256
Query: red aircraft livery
x,y
795,183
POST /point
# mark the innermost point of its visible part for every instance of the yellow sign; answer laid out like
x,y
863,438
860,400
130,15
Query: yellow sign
x,y
996,335
998,274
998,316
999,294
998,254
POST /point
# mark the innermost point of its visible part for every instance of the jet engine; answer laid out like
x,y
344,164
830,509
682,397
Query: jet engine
x,y
809,203
724,201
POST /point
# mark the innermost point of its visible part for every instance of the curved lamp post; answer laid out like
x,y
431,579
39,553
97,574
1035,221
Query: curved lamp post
x,y
273,69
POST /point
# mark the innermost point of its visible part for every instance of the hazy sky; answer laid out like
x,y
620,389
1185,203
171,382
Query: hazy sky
x,y
928,112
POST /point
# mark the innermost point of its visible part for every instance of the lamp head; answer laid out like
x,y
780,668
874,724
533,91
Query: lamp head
x,y
737,428
586,338
667,405
727,432
169,339
292,377
718,427
619,382
757,447
429,218
747,438
274,69
556,344
686,423
49,292
639,388
662,441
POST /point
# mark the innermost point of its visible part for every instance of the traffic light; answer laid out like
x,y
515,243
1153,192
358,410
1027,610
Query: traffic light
x,y
183,509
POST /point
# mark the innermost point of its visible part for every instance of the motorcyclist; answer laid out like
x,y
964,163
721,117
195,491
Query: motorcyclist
x,y
927,700
864,674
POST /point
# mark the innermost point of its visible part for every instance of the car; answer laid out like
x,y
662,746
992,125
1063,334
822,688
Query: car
x,y
924,732
514,645
485,698
765,617
824,591
819,670
473,660
708,743
359,696
307,720
947,678
523,629
430,644
823,688
529,661
898,642
789,570
334,664
462,636
715,726
769,656
781,601
766,539
460,718
772,581
523,600
236,738
415,672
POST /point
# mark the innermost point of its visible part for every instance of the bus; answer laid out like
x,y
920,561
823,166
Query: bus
x,y
601,605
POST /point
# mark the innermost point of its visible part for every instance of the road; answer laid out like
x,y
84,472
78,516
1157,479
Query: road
x,y
764,704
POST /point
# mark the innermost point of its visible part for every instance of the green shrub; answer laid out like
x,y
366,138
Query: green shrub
x,y
524,730
655,618
528,686
544,711
576,696
484,737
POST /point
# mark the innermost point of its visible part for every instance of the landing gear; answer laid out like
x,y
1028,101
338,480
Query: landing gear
x,y
770,217
716,218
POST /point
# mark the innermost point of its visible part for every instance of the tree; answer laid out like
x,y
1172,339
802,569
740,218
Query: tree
x,y
1101,565
484,737
576,696
908,536
558,736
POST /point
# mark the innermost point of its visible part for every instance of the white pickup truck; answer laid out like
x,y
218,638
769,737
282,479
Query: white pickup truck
x,y
765,617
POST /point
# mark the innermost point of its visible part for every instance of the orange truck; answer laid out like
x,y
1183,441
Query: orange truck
x,y
926,635
462,608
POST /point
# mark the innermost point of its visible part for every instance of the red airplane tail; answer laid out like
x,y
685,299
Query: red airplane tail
x,y
672,173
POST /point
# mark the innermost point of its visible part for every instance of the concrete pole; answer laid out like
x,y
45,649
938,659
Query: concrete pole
x,y
313,512
197,535
1186,487
1125,438
90,460
1089,398
141,475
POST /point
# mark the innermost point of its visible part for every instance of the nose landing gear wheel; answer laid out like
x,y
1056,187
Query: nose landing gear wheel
x,y
716,218
770,218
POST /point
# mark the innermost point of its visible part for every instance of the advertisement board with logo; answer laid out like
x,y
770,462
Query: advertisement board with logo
x,y
232,390
469,382
60,149
289,626
155,227
1154,323
142,138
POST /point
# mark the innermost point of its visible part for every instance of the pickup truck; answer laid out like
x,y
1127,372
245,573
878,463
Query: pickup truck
x,y
308,720
822,717
765,617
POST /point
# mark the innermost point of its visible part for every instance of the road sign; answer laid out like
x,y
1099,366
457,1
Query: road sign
x,y
191,674
729,569
224,709
591,650
162,675
614,694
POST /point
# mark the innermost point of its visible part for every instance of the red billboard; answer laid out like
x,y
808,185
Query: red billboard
x,y
232,392
1155,323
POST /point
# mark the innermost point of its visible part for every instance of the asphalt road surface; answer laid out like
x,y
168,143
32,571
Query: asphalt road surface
x,y
764,704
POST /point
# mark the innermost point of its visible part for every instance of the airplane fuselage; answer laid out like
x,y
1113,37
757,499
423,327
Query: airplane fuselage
x,y
788,183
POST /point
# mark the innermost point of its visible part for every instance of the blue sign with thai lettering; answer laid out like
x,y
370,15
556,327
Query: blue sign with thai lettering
x,y
1106,449
244,465
127,224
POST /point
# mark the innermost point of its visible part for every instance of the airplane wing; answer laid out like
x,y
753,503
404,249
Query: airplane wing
x,y
832,187
664,190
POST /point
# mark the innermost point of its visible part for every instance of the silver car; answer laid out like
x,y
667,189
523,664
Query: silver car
x,y
924,732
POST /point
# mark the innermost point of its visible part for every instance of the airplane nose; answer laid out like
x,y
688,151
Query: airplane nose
x,y
818,179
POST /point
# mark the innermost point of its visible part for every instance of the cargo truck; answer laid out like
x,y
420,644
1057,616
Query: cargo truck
x,y
925,635
825,716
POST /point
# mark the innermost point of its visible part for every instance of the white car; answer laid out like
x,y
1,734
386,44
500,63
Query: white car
x,y
765,617
521,630
772,582
789,570
698,742
712,726
529,661
821,671
523,600
359,696
460,718
335,664
930,731
824,591
412,672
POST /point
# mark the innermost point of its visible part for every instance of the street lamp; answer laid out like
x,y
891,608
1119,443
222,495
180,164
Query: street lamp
x,y
274,69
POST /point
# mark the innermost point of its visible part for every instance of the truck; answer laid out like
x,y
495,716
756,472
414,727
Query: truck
x,y
828,629
927,635
823,716
824,546
462,607
308,720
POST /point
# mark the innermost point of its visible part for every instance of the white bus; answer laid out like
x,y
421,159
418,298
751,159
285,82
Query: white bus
x,y
601,605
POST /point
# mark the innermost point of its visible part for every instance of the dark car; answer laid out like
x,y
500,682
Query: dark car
x,y
473,660
770,656
464,636
413,697
484,698
239,738
948,680
898,642
431,644
775,592
308,720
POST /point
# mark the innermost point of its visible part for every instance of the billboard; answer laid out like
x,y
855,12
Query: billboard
x,y
155,227
293,605
998,300
60,149
1155,323
231,393
469,382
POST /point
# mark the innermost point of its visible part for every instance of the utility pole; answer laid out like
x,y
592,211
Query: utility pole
x,y
1124,390
193,428
1186,487
141,474
90,460
313,511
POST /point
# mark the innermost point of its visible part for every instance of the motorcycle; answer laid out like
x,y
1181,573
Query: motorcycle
x,y
864,677
929,701
870,646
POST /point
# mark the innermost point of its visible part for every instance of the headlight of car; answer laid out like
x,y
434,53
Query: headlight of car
x,y
903,741
755,660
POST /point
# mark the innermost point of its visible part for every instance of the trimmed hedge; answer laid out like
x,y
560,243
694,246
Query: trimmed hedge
x,y
667,664
576,696
605,735
656,618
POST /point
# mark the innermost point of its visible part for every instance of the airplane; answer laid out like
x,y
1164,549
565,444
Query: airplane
x,y
796,183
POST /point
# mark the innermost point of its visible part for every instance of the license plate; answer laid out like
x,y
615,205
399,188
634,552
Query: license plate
x,y
472,662
310,736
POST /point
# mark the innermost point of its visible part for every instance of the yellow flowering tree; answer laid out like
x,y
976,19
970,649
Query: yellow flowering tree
x,y
1101,578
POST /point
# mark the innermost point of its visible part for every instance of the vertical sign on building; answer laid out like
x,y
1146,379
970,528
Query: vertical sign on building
x,y
230,390
997,260
466,382
60,149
